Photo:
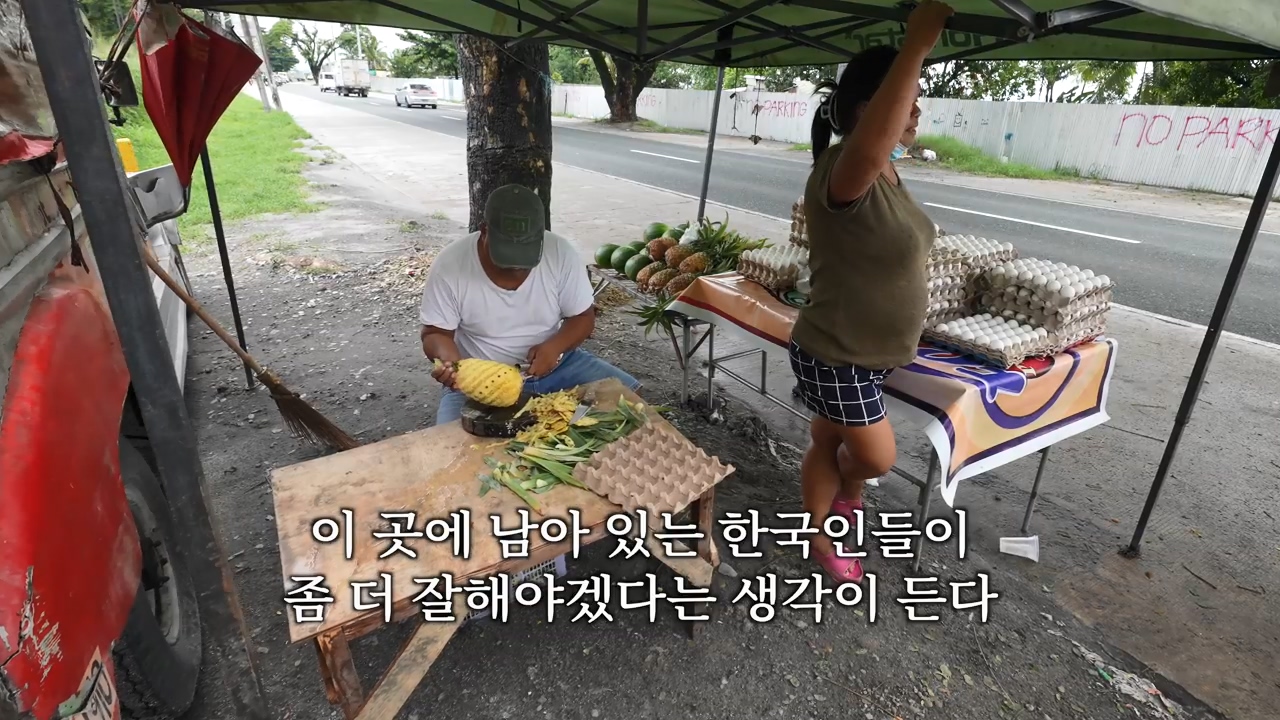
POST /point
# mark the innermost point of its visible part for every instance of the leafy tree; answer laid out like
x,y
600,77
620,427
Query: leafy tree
x,y
981,80
363,45
428,55
280,55
1051,72
572,66
313,49
105,16
1221,83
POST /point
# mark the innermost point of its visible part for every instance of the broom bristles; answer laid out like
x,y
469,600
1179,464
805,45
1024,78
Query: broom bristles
x,y
305,421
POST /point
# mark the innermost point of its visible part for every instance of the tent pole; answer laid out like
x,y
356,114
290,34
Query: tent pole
x,y
1257,212
711,143
74,93
218,232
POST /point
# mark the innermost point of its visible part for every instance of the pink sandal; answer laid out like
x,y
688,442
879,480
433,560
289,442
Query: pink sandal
x,y
842,506
843,570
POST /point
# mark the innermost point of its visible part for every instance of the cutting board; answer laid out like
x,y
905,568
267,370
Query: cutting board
x,y
488,421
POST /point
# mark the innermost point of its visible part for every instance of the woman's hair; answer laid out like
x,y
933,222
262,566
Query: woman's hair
x,y
859,81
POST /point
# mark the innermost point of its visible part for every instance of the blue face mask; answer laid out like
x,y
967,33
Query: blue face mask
x,y
898,151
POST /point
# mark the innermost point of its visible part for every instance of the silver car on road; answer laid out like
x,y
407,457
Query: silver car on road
x,y
416,95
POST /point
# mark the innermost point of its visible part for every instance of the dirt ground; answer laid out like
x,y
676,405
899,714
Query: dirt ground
x,y
330,301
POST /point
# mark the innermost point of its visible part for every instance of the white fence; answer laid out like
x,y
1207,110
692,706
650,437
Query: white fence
x,y
1220,150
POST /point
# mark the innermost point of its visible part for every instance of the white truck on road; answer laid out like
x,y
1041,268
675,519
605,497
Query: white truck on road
x,y
353,77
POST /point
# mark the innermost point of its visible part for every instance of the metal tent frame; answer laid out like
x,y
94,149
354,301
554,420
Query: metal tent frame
x,y
91,151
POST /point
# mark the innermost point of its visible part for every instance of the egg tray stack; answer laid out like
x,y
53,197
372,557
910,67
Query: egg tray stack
x,y
776,268
948,284
955,262
1069,303
799,234
992,339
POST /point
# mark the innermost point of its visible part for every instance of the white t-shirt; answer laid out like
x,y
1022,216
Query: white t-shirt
x,y
492,323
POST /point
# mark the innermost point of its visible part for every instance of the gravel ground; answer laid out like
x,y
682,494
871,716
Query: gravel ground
x,y
331,301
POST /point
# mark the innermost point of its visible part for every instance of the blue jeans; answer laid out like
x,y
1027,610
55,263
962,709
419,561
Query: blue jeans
x,y
577,368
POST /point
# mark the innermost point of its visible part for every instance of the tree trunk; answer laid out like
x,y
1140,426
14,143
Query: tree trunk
x,y
622,86
508,96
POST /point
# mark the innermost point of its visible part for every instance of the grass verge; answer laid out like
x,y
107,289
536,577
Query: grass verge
x,y
645,125
956,155
256,166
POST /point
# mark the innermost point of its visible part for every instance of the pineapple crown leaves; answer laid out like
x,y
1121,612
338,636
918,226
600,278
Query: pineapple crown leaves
x,y
655,316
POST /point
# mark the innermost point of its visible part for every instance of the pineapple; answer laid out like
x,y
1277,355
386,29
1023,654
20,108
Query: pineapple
x,y
660,280
695,264
677,255
648,271
678,283
657,249
487,382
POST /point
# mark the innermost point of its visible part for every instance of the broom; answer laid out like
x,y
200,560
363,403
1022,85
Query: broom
x,y
303,420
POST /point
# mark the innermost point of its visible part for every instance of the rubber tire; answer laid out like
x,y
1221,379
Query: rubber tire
x,y
156,680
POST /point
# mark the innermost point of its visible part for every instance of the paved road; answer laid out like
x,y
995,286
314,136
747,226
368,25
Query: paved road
x,y
1165,266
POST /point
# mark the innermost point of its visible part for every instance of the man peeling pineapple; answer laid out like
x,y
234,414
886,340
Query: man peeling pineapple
x,y
511,293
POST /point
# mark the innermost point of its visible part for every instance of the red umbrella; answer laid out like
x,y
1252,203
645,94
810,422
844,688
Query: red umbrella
x,y
190,74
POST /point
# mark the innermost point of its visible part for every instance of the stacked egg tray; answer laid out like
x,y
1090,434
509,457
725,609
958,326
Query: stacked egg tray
x,y
949,296
979,253
776,268
992,339
799,235
1070,303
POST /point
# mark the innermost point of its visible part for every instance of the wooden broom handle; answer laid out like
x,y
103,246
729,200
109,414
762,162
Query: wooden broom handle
x,y
204,315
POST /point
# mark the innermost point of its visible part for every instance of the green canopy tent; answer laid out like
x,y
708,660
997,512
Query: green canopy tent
x,y
762,33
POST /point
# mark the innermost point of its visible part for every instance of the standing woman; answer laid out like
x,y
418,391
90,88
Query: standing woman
x,y
868,244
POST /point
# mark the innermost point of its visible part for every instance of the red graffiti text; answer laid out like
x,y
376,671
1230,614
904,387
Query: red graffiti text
x,y
1196,131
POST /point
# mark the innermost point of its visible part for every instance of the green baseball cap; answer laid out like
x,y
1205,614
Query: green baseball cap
x,y
517,221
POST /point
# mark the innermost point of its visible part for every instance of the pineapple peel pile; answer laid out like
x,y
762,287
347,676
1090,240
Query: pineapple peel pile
x,y
543,455
553,412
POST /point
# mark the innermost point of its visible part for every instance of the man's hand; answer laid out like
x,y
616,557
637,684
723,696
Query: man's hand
x,y
543,358
445,375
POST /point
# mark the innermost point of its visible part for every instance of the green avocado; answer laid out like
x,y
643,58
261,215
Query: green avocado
x,y
605,254
635,265
621,256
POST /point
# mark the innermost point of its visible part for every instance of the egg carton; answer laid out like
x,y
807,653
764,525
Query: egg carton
x,y
1026,306
985,355
991,338
1056,284
776,268
980,253
799,233
654,468
1079,333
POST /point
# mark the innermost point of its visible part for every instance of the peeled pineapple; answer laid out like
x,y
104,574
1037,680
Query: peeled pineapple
x,y
487,382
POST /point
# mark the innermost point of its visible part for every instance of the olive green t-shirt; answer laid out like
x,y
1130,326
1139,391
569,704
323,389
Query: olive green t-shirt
x,y
867,260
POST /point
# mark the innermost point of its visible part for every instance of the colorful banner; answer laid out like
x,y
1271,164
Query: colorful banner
x,y
977,417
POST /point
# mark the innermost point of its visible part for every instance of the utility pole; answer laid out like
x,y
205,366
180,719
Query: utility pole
x,y
261,44
359,46
262,88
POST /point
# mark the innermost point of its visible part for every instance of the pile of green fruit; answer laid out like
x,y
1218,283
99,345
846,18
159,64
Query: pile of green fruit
x,y
657,262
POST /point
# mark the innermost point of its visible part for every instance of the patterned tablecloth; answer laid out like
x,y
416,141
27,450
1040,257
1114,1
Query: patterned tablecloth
x,y
976,416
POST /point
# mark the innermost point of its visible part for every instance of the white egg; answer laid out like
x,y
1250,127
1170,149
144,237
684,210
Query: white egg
x,y
1053,286
1023,293
983,340
1105,280
1042,333
1078,288
1069,292
966,335
941,328
999,344
1073,268
1039,280
1088,273
1006,246
1027,329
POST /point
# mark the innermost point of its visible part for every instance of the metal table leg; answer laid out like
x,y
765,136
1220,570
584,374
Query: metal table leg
x,y
1035,490
922,508
686,354
711,368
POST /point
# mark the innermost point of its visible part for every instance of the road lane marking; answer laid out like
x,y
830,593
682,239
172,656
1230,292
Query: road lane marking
x,y
372,102
1122,211
669,157
1037,224
452,117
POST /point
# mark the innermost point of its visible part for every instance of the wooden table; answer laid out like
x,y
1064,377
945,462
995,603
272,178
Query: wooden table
x,y
431,473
